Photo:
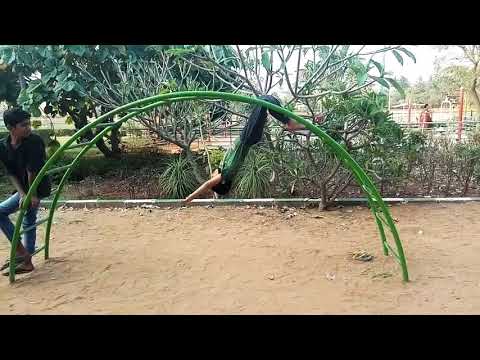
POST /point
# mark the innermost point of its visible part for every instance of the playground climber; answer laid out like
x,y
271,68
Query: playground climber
x,y
23,155
222,178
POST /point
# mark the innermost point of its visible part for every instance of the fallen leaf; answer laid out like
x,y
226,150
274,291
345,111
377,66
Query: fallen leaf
x,y
330,276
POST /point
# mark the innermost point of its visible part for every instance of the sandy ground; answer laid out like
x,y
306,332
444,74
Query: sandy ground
x,y
227,260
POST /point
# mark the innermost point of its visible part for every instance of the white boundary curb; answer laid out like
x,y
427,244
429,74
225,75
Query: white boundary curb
x,y
219,202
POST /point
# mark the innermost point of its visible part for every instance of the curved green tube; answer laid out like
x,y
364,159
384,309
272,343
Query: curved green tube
x,y
77,159
377,206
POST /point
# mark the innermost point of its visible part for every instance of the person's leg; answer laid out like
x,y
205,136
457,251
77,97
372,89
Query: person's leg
x,y
7,208
30,237
252,132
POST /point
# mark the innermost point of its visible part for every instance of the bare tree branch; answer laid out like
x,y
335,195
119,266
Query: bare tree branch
x,y
298,67
351,89
245,70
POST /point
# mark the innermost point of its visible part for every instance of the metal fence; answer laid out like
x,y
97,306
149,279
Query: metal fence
x,y
452,123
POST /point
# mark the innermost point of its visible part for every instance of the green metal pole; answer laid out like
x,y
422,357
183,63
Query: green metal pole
x,y
75,161
62,183
42,172
375,199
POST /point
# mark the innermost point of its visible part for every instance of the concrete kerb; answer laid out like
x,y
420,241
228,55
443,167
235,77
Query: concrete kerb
x,y
295,202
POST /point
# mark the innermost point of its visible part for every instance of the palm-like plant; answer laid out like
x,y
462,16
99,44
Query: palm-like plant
x,y
253,180
178,179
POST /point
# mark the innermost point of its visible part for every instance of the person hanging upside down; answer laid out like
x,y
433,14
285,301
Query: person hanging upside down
x,y
222,178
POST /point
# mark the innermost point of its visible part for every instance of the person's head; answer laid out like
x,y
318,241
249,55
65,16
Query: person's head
x,y
222,188
426,106
17,122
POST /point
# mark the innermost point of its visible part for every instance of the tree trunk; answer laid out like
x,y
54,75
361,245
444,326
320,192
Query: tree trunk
x,y
21,80
195,167
468,178
115,141
475,96
105,150
431,178
449,178
80,120
323,196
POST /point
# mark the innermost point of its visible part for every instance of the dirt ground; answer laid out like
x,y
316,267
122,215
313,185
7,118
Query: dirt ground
x,y
227,260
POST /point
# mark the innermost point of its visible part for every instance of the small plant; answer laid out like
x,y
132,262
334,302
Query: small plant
x,y
36,124
447,161
475,137
253,180
413,144
52,146
216,156
468,155
178,179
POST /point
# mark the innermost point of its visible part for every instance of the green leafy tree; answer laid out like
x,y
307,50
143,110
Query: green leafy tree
x,y
49,76
470,57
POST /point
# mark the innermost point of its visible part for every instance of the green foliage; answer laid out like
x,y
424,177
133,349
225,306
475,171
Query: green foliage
x,y
266,61
362,125
65,132
468,152
414,141
253,178
444,82
53,76
9,86
360,111
178,179
52,147
64,77
36,124
383,156
408,53
448,80
62,86
216,156
397,95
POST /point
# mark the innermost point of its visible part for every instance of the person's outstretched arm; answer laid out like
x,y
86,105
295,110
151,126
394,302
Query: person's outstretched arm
x,y
207,185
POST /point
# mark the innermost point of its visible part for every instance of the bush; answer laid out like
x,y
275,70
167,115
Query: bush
x,y
178,179
253,180
65,132
216,157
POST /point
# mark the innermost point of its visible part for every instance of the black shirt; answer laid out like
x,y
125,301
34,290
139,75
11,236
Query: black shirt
x,y
29,155
253,130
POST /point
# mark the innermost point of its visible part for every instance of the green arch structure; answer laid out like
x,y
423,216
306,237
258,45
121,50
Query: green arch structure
x,y
379,209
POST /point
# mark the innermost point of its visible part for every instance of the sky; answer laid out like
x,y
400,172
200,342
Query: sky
x,y
424,67
425,56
